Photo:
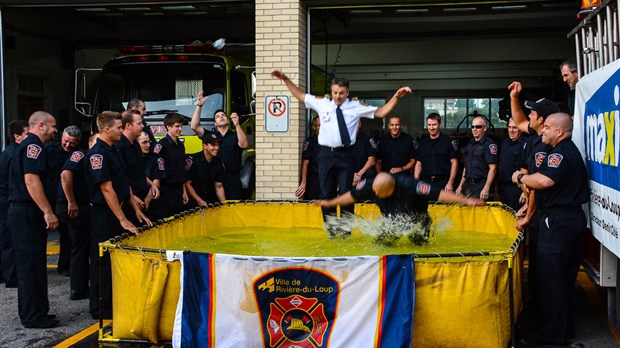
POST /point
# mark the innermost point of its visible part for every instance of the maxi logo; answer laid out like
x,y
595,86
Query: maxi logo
x,y
297,307
602,133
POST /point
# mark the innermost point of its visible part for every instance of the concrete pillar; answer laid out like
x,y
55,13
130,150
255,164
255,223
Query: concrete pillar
x,y
280,44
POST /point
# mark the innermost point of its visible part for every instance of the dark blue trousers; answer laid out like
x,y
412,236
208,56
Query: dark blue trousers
x,y
336,175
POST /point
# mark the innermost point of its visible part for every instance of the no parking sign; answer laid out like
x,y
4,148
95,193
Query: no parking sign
x,y
276,113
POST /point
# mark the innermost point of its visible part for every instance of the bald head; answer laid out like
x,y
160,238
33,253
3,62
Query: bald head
x,y
562,121
38,117
557,127
383,186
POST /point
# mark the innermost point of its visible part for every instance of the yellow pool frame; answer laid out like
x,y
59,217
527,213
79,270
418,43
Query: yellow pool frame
x,y
462,299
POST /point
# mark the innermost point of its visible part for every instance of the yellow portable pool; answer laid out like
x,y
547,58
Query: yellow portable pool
x,y
465,297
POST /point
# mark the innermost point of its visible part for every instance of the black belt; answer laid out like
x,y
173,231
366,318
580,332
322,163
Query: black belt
x,y
435,178
336,149
472,181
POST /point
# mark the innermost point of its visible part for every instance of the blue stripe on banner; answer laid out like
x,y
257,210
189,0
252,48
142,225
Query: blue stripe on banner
x,y
399,297
196,321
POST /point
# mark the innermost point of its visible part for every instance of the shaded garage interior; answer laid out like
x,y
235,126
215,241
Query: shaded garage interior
x,y
444,50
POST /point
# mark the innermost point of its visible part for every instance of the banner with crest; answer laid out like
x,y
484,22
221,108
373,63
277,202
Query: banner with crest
x,y
240,301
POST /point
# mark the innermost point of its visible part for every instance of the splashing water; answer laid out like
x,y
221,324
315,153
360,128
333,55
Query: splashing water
x,y
387,229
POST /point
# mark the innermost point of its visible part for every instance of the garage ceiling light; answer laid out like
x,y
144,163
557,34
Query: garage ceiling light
x,y
460,9
365,11
510,7
178,8
92,9
153,14
412,10
135,9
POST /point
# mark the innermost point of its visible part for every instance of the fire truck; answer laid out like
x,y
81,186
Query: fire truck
x,y
596,131
168,78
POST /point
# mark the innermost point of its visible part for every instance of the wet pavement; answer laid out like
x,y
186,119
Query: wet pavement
x,y
78,329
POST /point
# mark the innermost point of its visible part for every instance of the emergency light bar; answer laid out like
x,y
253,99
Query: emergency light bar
x,y
154,49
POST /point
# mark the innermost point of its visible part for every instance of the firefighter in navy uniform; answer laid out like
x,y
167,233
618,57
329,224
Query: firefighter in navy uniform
x,y
154,168
18,130
310,186
365,151
480,162
205,172
437,156
30,217
110,191
562,187
340,117
396,150
57,154
510,159
73,209
173,195
231,150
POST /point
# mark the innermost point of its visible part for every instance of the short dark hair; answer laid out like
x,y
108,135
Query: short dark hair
x,y
394,116
107,119
134,103
218,110
128,116
571,63
434,116
16,128
172,118
341,81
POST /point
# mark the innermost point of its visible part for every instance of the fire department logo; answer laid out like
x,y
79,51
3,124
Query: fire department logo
x,y
554,159
157,148
161,164
540,157
297,307
188,163
76,156
33,151
373,143
306,143
360,184
96,162
455,145
493,149
423,188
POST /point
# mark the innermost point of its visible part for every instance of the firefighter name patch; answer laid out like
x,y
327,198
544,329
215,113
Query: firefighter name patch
x,y
96,162
33,151
554,159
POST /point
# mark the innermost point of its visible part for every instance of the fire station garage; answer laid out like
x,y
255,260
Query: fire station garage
x,y
457,56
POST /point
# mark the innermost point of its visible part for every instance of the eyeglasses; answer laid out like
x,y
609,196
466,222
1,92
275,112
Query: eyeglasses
x,y
476,126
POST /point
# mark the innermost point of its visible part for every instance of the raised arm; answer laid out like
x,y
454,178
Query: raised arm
x,y
296,91
389,106
518,115
242,139
195,122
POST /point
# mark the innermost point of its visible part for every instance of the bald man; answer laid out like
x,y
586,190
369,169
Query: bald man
x,y
561,187
400,195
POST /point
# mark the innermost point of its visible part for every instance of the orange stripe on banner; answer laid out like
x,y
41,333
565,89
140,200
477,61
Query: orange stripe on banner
x,y
381,299
212,299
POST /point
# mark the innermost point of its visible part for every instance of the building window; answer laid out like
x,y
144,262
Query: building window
x,y
453,110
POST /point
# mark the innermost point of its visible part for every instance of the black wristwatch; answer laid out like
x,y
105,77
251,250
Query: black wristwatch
x,y
519,178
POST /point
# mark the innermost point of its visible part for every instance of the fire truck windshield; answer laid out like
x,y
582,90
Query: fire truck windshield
x,y
164,87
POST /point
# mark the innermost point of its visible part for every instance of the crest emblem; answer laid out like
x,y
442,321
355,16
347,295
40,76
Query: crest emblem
x,y
493,149
96,162
188,163
455,145
360,184
373,143
161,164
33,151
306,143
290,319
423,188
76,156
157,148
554,160
539,157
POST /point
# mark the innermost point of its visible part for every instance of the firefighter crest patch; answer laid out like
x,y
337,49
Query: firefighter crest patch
x,y
539,157
297,307
76,156
423,188
493,149
161,164
96,162
33,151
157,148
554,160
188,163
